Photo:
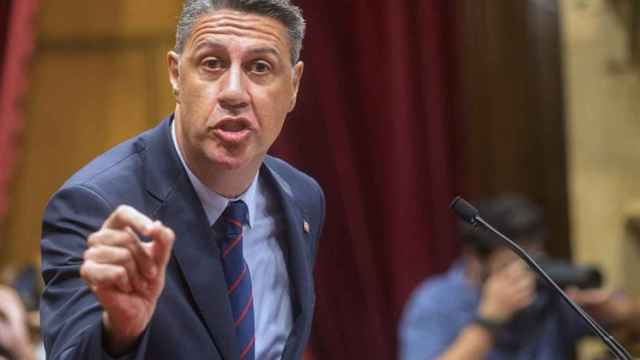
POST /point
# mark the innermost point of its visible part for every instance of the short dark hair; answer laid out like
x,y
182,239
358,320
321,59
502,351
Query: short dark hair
x,y
282,10
513,215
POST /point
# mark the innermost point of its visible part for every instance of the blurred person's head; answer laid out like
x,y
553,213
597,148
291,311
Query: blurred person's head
x,y
20,289
15,342
514,216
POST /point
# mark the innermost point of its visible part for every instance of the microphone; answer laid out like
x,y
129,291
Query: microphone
x,y
471,215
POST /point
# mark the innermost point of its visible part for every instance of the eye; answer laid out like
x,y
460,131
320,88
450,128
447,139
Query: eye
x,y
260,67
213,64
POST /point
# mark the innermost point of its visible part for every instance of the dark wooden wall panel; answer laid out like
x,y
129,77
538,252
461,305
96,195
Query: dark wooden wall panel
x,y
512,89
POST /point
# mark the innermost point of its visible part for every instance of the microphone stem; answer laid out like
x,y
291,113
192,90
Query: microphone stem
x,y
614,346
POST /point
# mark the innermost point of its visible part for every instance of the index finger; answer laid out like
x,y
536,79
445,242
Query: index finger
x,y
162,244
126,216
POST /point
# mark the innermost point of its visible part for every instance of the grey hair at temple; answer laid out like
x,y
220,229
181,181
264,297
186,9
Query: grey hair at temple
x,y
282,10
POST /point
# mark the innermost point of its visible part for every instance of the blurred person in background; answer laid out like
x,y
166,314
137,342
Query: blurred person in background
x,y
19,318
488,305
15,343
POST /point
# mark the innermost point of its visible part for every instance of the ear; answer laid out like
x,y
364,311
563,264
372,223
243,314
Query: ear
x,y
298,70
173,63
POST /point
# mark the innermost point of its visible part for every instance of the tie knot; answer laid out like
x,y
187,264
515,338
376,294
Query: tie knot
x,y
236,213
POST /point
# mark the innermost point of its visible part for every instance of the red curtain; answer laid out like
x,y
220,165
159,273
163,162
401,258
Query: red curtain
x,y
16,46
5,7
377,125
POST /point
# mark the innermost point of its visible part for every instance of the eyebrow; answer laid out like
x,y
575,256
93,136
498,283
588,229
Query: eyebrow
x,y
266,49
208,44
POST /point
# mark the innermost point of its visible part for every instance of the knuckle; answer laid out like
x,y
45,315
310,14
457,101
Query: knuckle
x,y
93,238
170,234
122,212
88,254
126,257
85,269
125,237
120,272
123,209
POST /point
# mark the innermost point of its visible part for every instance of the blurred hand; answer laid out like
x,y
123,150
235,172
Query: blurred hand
x,y
612,307
14,335
126,275
507,291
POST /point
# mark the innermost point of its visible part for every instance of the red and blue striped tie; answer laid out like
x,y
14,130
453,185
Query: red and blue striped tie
x,y
238,277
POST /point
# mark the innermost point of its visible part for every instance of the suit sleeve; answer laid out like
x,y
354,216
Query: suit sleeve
x,y
71,316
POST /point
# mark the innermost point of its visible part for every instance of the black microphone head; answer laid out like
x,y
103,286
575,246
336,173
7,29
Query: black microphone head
x,y
464,210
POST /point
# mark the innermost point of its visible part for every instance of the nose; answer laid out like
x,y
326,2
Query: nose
x,y
233,95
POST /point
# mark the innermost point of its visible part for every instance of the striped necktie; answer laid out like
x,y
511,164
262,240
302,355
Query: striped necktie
x,y
238,277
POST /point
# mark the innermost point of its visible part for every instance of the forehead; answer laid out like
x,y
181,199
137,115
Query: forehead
x,y
230,26
504,253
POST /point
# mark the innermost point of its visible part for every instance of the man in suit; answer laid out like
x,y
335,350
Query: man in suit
x,y
188,241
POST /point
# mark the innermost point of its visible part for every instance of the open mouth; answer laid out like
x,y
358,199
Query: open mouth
x,y
232,130
232,126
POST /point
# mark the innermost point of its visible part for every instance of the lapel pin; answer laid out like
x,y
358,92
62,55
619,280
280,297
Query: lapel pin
x,y
306,227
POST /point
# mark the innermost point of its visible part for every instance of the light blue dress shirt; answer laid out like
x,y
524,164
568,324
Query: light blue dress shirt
x,y
263,254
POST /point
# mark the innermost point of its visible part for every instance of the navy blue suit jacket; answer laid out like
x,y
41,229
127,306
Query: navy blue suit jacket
x,y
193,317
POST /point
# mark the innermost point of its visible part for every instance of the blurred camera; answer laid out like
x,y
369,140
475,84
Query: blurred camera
x,y
568,275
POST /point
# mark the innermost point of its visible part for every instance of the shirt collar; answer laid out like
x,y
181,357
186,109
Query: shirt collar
x,y
212,202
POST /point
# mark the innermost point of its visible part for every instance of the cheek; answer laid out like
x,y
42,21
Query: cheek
x,y
273,107
198,94
270,127
272,122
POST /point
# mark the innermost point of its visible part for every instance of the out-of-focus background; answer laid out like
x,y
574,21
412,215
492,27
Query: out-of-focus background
x,y
404,104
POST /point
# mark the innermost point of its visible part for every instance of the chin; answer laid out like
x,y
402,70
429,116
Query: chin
x,y
229,164
228,161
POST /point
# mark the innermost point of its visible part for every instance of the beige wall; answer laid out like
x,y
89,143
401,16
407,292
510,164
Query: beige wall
x,y
98,77
603,104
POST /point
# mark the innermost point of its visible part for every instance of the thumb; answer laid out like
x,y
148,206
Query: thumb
x,y
162,244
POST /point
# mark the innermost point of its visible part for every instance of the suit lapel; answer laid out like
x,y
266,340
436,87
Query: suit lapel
x,y
298,266
198,258
195,249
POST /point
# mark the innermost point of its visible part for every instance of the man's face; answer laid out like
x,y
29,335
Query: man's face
x,y
235,85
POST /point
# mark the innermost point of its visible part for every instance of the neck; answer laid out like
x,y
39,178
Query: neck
x,y
228,183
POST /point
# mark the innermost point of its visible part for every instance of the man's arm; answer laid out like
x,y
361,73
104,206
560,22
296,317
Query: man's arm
x,y
614,308
70,313
503,294
92,277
